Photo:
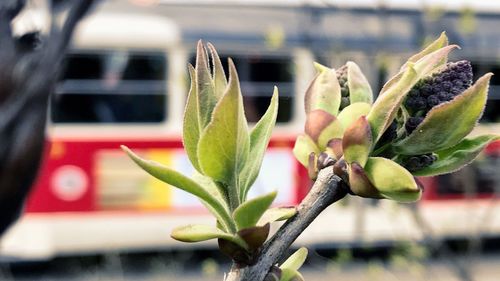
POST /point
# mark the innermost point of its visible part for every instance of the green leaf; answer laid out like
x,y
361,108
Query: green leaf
x,y
259,140
387,104
209,185
334,148
288,274
352,113
320,68
360,184
448,123
323,93
333,130
204,86
276,214
359,87
392,180
249,212
385,107
439,43
296,260
304,145
224,144
191,125
219,77
435,60
197,233
357,142
455,157
180,181
316,122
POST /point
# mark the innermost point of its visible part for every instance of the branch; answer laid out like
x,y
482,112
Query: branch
x,y
327,189
62,38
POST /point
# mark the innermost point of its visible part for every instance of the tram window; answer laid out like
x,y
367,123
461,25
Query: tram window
x,y
270,70
111,87
83,66
258,75
491,113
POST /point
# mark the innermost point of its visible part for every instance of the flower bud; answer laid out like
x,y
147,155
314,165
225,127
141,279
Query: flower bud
x,y
344,87
418,162
441,87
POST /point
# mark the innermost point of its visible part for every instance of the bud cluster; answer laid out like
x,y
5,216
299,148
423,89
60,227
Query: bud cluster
x,y
439,88
412,128
344,87
390,133
418,162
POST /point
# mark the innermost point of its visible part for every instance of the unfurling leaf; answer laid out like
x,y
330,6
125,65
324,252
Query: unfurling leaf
x,y
255,236
455,157
334,130
197,233
334,148
323,93
191,129
289,269
360,183
180,181
391,180
224,144
316,122
357,142
303,147
448,123
320,68
291,275
259,139
219,77
249,212
296,260
276,214
352,113
359,88
439,43
385,107
312,166
207,98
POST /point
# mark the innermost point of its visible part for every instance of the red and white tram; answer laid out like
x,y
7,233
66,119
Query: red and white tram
x,y
125,82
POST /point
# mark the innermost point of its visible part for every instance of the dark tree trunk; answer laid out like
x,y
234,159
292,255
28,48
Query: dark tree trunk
x,y
28,71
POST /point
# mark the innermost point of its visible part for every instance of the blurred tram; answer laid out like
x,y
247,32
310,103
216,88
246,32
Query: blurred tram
x,y
125,81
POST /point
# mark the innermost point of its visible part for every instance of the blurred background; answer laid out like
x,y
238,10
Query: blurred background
x,y
92,215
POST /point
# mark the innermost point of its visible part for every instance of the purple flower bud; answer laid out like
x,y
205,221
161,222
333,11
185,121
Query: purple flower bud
x,y
412,123
344,88
432,101
418,162
447,85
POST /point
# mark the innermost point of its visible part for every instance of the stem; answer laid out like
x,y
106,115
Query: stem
x,y
326,190
234,195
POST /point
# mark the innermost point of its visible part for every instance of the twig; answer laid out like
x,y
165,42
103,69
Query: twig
x,y
327,189
61,41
